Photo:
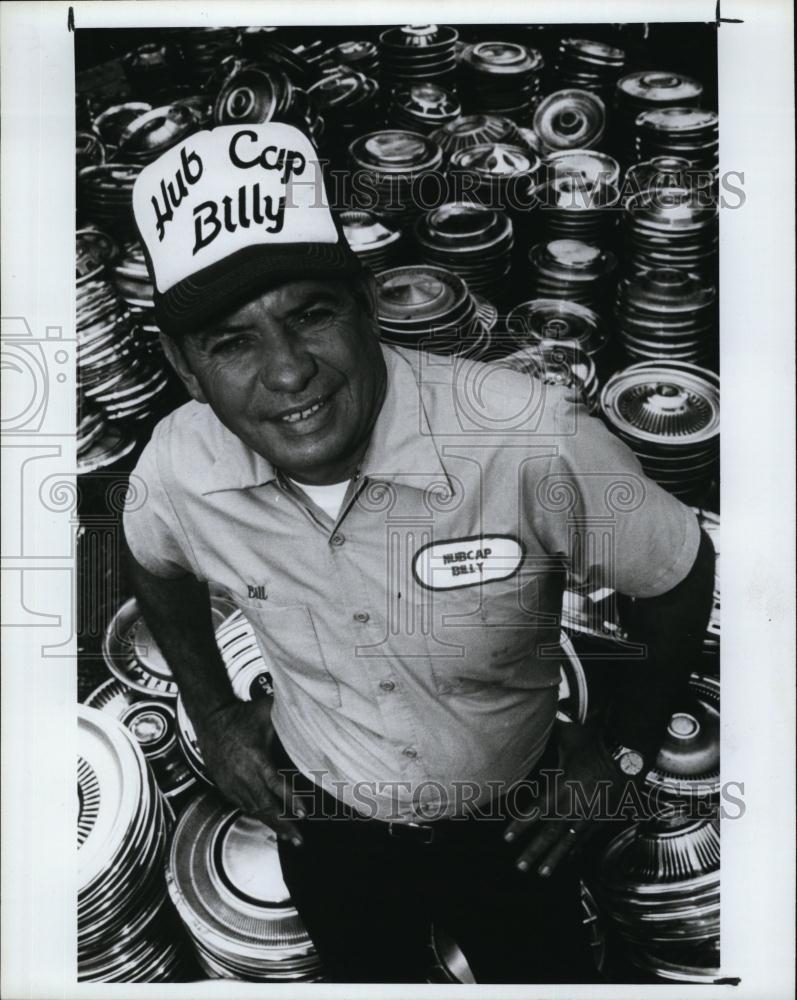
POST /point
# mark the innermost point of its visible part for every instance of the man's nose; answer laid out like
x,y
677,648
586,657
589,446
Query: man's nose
x,y
285,364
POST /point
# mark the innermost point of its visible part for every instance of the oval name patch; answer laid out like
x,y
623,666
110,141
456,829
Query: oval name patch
x,y
467,562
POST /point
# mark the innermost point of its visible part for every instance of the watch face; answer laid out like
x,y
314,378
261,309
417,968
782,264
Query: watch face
x,y
631,762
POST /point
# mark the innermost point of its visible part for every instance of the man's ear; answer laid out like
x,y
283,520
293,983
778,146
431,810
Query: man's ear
x,y
174,352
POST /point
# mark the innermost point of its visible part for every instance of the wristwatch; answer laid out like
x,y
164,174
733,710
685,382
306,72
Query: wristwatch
x,y
630,762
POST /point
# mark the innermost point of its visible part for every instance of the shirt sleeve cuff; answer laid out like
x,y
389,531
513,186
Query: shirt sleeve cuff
x,y
685,555
143,555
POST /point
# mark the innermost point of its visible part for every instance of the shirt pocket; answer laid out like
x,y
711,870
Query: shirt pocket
x,y
290,643
497,635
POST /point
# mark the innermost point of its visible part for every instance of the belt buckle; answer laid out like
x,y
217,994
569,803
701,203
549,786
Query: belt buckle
x,y
423,832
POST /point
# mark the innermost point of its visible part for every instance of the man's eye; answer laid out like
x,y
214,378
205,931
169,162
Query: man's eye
x,y
229,346
312,317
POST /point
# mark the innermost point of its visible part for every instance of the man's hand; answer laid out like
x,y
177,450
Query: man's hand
x,y
235,741
592,789
589,789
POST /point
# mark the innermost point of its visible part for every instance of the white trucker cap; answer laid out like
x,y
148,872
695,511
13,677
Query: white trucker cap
x,y
231,212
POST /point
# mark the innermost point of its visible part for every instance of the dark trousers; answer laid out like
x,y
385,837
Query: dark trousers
x,y
368,899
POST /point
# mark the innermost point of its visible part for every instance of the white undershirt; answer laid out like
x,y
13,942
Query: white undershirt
x,y
328,498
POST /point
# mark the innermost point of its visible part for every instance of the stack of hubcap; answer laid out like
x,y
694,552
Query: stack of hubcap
x,y
672,227
572,207
660,885
115,375
669,314
105,195
431,308
688,133
668,413
225,879
573,270
559,321
154,726
688,763
377,244
501,78
417,52
472,241
589,65
127,929
394,164
643,91
132,281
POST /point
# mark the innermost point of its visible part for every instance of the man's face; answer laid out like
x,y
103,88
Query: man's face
x,y
297,374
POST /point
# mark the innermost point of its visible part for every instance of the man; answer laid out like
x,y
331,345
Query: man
x,y
397,527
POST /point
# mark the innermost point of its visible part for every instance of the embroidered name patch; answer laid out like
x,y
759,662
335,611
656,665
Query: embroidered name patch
x,y
466,562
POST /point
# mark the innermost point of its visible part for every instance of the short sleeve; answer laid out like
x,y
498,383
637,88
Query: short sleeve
x,y
151,528
615,527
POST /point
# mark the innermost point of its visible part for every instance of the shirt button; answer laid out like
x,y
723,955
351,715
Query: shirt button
x,y
387,686
361,616
337,539
409,752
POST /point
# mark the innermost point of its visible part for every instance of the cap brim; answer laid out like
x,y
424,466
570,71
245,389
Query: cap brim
x,y
229,284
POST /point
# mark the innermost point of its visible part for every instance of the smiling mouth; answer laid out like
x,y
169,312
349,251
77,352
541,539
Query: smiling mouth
x,y
298,416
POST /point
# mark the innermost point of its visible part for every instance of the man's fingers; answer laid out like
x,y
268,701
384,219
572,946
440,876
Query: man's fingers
x,y
562,847
548,803
549,846
257,800
541,843
519,826
281,788
268,789
271,811
533,810
285,829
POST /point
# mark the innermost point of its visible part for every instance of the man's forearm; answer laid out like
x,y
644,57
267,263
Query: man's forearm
x,y
671,627
179,617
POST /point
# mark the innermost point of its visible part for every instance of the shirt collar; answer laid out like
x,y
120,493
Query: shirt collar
x,y
401,447
236,467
